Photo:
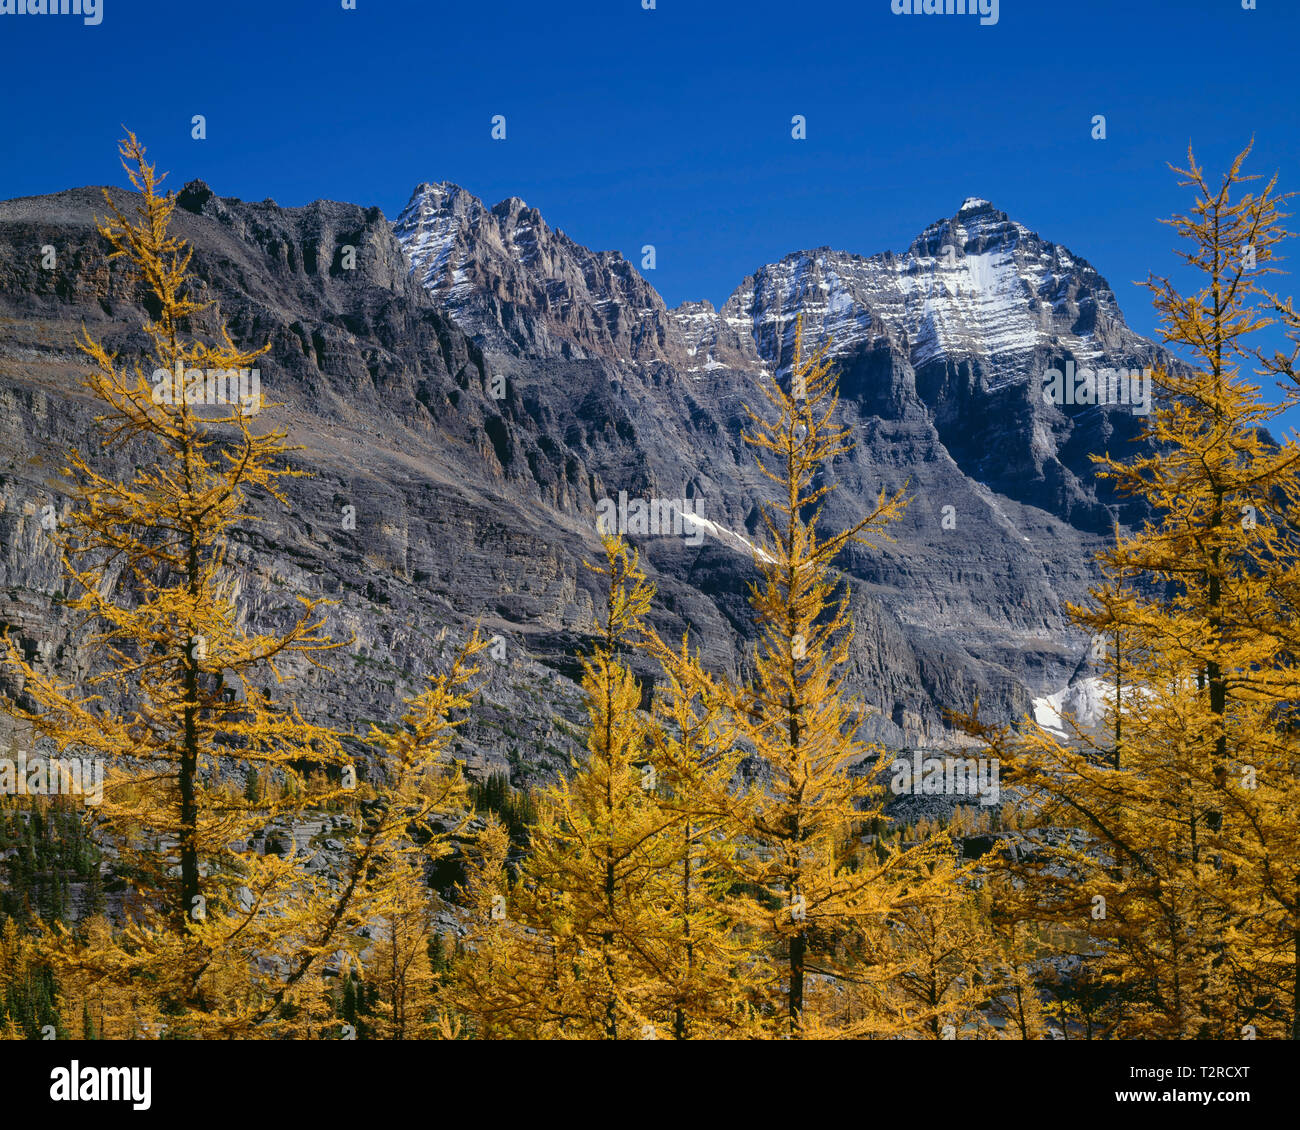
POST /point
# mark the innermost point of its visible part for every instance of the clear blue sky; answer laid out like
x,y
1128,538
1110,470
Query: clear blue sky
x,y
672,126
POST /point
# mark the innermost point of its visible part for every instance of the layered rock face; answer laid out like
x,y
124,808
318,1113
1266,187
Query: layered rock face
x,y
942,352
474,383
980,308
517,285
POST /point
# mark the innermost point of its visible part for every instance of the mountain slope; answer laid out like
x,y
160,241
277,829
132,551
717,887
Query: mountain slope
x,y
981,307
473,506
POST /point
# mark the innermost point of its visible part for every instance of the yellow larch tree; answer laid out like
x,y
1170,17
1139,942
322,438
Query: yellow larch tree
x,y
511,981
422,808
944,975
600,854
1182,865
185,701
813,888
614,926
694,759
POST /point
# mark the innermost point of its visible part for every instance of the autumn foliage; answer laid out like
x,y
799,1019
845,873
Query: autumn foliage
x,y
720,861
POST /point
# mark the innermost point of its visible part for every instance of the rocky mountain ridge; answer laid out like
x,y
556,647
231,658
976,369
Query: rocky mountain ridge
x,y
476,383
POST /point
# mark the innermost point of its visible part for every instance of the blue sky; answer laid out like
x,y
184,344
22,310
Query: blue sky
x,y
672,126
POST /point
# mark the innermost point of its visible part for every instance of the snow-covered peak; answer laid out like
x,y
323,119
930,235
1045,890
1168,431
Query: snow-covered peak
x,y
976,288
427,228
515,283
433,196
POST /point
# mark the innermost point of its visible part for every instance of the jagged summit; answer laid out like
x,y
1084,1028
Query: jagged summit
x,y
446,187
519,285
976,288
479,502
959,328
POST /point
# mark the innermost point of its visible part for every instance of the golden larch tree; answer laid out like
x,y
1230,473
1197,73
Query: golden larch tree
x,y
812,886
185,701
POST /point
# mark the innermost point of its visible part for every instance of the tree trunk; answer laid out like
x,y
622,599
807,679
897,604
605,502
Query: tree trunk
x,y
798,950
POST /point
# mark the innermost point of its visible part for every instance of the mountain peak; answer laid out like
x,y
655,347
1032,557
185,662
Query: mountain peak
x,y
518,285
438,188
195,195
976,290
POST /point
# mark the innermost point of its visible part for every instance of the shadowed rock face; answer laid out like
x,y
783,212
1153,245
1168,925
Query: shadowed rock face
x,y
974,313
478,382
